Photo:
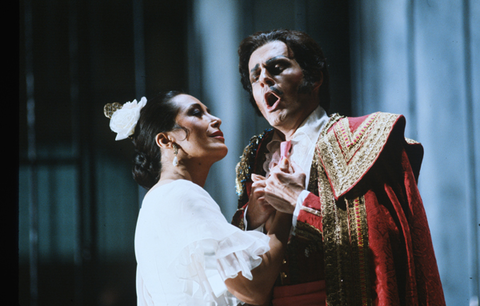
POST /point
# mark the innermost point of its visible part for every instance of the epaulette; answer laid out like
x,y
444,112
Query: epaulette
x,y
347,154
247,160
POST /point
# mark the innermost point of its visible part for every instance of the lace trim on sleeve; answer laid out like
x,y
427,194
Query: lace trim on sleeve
x,y
209,263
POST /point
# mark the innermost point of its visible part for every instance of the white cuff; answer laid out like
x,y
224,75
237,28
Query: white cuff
x,y
303,195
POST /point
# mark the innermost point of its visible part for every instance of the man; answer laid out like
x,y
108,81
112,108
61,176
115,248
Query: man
x,y
360,234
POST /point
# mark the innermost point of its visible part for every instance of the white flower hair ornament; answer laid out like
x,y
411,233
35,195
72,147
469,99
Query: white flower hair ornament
x,y
124,118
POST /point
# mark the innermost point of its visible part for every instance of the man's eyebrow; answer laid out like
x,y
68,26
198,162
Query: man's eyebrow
x,y
267,62
254,68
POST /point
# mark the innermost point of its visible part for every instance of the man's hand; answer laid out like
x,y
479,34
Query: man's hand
x,y
259,211
284,185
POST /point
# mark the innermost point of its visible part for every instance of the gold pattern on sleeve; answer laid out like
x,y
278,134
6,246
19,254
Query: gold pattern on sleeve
x,y
244,169
411,141
344,220
348,155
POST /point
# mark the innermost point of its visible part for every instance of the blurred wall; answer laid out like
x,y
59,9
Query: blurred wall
x,y
77,201
215,31
422,59
419,59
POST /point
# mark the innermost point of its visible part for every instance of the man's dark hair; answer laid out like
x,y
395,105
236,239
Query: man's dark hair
x,y
307,53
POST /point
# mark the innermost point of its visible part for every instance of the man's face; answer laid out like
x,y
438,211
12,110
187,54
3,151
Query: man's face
x,y
276,80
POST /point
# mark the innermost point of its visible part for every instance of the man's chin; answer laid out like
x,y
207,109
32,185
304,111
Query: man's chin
x,y
278,120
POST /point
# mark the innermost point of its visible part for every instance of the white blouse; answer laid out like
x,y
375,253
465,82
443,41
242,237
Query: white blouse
x,y
185,248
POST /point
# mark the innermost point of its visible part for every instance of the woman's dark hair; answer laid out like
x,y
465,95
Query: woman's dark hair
x,y
157,116
306,51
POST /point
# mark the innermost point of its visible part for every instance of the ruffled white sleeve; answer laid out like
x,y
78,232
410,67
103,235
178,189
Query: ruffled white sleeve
x,y
204,249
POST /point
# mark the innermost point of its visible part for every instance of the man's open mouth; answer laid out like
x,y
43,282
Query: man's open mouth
x,y
272,97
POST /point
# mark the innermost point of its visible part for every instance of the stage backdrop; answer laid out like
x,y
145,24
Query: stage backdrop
x,y
77,201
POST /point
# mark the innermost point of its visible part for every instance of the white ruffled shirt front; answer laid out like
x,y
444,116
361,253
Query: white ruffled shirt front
x,y
303,147
185,248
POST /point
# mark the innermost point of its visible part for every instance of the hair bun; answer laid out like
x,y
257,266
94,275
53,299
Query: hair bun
x,y
145,172
158,116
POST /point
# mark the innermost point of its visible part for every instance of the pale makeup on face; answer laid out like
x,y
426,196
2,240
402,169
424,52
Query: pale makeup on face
x,y
204,138
276,78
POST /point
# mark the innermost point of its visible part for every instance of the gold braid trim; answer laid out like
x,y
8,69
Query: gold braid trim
x,y
309,232
359,243
411,141
330,238
244,168
347,156
241,222
345,235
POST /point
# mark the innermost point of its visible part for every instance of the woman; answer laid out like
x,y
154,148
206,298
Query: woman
x,y
187,252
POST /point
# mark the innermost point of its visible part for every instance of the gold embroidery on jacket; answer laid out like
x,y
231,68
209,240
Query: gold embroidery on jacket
x,y
244,169
241,222
411,141
345,230
347,156
359,242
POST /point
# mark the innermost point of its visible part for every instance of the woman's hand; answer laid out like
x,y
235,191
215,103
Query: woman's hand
x,y
284,185
258,290
259,211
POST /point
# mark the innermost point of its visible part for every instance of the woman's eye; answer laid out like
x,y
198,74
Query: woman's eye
x,y
195,112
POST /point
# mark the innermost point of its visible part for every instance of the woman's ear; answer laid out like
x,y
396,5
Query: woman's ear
x,y
164,140
318,83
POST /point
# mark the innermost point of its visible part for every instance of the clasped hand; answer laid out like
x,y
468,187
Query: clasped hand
x,y
278,192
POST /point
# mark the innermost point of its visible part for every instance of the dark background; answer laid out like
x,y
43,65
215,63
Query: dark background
x,y
75,189
77,202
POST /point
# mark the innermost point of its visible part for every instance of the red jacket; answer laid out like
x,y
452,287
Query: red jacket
x,y
363,227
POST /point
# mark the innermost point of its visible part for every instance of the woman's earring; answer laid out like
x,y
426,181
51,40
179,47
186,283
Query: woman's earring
x,y
175,151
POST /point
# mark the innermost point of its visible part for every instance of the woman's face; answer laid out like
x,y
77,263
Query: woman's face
x,y
204,139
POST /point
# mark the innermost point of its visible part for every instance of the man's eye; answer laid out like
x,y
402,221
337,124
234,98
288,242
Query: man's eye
x,y
276,69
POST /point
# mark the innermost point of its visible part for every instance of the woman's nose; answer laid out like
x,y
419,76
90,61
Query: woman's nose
x,y
216,122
